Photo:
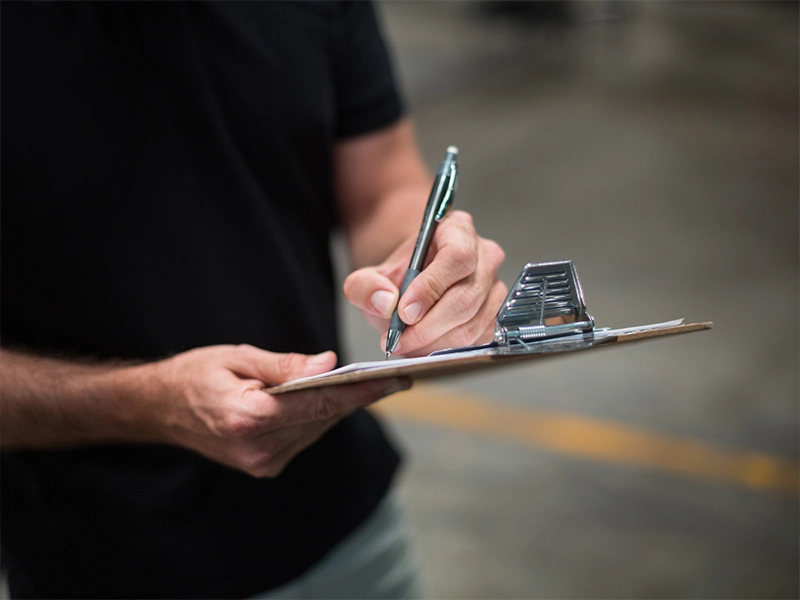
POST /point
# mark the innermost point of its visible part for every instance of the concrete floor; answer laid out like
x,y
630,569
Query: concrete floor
x,y
659,151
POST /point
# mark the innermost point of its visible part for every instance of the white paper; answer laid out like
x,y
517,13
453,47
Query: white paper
x,y
378,365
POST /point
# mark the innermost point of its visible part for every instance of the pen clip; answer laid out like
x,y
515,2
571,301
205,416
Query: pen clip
x,y
447,202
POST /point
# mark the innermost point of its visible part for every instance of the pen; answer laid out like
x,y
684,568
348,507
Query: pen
x,y
439,203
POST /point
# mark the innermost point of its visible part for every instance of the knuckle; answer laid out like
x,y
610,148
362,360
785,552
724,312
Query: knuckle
x,y
465,218
287,362
475,329
495,252
468,333
434,288
247,353
465,257
465,304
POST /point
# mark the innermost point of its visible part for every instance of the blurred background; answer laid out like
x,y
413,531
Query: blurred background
x,y
656,145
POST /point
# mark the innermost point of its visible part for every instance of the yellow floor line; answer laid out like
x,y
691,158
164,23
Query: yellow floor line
x,y
595,439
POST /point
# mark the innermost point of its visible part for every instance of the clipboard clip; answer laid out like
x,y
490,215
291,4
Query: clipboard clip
x,y
545,302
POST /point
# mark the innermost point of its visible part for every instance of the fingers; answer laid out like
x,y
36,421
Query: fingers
x,y
464,311
297,420
455,254
223,412
273,368
372,292
292,440
436,330
452,302
454,257
326,403
429,335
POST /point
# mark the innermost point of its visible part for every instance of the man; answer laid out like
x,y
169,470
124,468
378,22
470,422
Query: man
x,y
171,176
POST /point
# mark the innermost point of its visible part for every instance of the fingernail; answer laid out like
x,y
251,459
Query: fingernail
x,y
412,312
383,302
319,359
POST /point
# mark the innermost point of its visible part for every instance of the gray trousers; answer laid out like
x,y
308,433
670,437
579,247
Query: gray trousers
x,y
376,560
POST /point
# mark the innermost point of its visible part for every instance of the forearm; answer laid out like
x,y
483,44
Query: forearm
x,y
54,403
393,219
382,187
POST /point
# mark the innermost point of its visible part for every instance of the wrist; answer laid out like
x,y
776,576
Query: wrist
x,y
142,394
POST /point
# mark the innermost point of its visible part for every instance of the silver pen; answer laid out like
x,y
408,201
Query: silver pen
x,y
439,203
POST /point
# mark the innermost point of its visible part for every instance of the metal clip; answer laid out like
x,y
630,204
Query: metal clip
x,y
545,302
452,188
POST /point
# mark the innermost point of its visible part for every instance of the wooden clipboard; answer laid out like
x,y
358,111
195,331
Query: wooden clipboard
x,y
430,367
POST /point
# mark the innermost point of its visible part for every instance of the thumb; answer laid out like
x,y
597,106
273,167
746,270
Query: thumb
x,y
275,367
372,292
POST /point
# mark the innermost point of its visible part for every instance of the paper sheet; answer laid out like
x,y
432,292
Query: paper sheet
x,y
391,366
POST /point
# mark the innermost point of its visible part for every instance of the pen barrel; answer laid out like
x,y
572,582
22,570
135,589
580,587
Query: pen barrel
x,y
438,204
411,274
428,228
396,322
438,193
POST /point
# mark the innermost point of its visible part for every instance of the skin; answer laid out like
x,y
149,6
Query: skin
x,y
211,400
454,300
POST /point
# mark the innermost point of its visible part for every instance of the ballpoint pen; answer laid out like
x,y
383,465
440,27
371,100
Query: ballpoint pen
x,y
439,203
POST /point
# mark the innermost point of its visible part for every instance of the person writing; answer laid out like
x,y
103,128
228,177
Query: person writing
x,y
172,174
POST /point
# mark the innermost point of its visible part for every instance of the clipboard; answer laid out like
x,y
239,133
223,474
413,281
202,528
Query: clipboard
x,y
544,315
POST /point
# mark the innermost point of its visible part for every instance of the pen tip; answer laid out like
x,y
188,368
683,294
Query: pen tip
x,y
452,149
391,342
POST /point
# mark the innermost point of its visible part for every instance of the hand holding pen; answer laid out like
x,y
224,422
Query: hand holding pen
x,y
440,286
439,204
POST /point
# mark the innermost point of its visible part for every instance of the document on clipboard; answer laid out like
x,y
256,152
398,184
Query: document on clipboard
x,y
544,315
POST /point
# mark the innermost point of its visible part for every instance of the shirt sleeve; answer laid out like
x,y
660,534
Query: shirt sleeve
x,y
366,91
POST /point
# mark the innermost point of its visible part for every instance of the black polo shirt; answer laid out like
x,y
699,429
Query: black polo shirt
x,y
166,184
